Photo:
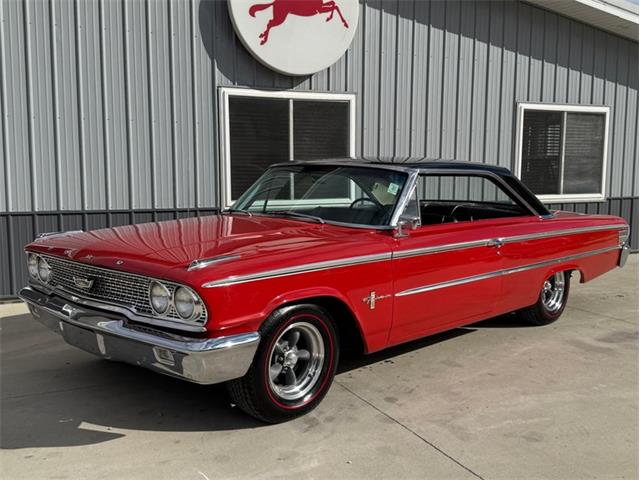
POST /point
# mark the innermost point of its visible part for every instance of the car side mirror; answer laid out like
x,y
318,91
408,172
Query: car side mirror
x,y
405,224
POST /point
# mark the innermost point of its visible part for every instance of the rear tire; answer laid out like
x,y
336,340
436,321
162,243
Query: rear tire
x,y
551,301
293,367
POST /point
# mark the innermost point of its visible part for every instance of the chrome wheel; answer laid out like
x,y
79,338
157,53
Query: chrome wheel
x,y
296,361
553,293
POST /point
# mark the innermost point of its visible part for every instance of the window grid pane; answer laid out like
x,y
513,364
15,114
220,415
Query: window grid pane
x,y
583,154
259,136
541,151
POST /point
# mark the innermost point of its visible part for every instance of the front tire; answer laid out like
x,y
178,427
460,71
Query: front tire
x,y
551,301
293,367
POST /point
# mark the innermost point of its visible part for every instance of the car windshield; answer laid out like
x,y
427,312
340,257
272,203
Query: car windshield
x,y
326,193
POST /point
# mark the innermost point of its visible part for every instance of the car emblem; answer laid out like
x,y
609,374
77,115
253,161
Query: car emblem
x,y
371,299
84,283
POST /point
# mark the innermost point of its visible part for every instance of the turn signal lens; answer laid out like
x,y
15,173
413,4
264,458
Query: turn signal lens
x,y
160,298
32,265
44,270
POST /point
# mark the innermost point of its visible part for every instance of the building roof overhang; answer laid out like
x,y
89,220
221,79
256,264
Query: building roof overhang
x,y
615,16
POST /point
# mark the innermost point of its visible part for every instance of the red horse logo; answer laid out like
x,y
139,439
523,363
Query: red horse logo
x,y
303,8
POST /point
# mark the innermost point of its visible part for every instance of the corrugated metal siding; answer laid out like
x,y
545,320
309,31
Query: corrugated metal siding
x,y
112,105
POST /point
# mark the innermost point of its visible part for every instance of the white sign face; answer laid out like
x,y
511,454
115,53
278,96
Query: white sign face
x,y
295,37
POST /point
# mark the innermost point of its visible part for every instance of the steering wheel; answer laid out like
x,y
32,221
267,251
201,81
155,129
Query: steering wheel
x,y
366,199
460,205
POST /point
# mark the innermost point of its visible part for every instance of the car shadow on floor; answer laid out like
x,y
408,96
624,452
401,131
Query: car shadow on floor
x,y
55,395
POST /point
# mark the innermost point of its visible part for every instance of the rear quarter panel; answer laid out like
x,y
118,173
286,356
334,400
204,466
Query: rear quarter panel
x,y
587,243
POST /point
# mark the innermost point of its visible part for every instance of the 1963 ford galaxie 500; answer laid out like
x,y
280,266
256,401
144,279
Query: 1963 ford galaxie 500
x,y
314,257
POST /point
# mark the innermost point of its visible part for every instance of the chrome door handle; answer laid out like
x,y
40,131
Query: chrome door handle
x,y
495,242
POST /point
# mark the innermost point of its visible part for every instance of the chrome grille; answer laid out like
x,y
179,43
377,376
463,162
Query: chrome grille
x,y
111,286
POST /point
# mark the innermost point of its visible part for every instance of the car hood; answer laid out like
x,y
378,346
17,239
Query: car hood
x,y
166,249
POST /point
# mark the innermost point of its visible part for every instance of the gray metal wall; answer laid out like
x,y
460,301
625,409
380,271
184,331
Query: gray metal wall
x,y
109,108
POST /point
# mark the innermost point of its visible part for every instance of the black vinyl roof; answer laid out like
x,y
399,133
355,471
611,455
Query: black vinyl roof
x,y
422,162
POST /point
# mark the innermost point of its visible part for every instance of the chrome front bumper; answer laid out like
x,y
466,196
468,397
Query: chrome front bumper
x,y
205,361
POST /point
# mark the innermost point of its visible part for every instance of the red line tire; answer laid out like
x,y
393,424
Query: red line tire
x,y
293,367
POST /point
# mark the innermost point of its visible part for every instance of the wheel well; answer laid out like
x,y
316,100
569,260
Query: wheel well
x,y
577,272
351,340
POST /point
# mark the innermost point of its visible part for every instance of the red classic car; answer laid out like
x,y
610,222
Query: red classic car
x,y
315,257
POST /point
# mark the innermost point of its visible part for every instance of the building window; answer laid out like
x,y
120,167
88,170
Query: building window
x,y
562,151
259,128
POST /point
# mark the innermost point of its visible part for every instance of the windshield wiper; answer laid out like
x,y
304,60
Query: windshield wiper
x,y
289,213
237,210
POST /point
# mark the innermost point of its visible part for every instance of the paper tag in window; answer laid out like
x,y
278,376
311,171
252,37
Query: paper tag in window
x,y
393,188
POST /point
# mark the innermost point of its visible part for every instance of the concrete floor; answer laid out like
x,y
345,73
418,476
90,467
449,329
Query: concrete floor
x,y
491,401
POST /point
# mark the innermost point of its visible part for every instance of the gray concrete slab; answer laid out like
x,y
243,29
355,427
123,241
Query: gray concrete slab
x,y
494,400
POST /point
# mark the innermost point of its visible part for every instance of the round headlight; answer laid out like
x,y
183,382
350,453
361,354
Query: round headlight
x,y
160,297
32,265
44,270
186,303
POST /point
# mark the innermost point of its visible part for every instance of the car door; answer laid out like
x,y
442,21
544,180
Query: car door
x,y
447,271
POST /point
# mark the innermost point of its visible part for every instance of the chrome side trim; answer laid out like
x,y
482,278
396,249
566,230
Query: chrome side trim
x,y
489,241
349,261
414,252
309,267
498,273
556,233
205,262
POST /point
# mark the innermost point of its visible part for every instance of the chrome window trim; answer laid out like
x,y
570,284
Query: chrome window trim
x,y
498,273
349,261
407,192
117,309
305,268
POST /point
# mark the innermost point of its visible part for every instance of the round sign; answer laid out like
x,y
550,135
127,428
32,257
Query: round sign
x,y
295,37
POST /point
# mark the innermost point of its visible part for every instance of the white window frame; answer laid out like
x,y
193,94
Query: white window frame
x,y
569,197
224,131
